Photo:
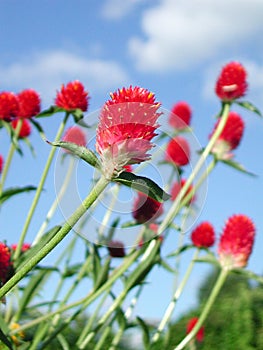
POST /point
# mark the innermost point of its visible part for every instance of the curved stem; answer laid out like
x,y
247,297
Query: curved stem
x,y
210,301
65,229
39,189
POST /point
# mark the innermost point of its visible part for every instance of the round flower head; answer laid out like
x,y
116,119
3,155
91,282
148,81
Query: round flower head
x,y
116,249
1,163
231,83
25,130
9,106
146,209
29,103
75,135
178,151
72,96
236,242
126,127
5,262
180,115
203,235
231,135
190,325
176,188
24,248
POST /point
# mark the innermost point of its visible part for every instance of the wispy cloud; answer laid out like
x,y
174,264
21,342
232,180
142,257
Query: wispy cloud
x,y
178,34
117,9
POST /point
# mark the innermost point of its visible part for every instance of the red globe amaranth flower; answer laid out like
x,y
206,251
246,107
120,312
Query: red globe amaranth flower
x,y
72,96
75,135
190,325
176,188
180,115
1,163
178,151
116,249
230,136
236,242
126,127
9,106
146,209
5,262
24,248
203,235
231,83
29,103
25,129
128,168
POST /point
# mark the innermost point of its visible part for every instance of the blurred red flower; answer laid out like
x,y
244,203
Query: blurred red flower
x,y
72,96
203,235
9,106
180,115
29,103
190,325
146,209
25,129
178,151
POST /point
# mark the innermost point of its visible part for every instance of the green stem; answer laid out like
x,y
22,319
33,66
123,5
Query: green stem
x,y
176,205
169,311
217,287
39,189
65,229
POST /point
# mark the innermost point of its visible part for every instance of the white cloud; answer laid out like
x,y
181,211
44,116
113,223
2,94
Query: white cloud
x,y
181,33
117,9
48,70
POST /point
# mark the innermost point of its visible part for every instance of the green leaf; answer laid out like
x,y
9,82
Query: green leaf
x,y
3,337
180,250
50,111
238,166
248,274
80,151
142,184
249,106
77,115
16,190
103,274
146,332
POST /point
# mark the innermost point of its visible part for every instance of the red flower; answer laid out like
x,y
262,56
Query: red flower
x,y
190,325
231,135
236,241
180,115
72,96
128,168
25,130
1,163
176,188
116,249
231,83
126,128
146,209
29,103
203,235
75,135
178,151
5,262
8,106
24,248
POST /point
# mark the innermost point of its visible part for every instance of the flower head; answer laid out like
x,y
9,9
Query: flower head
x,y
9,106
75,135
203,235
178,151
29,103
176,188
146,209
5,262
126,127
236,242
25,129
180,115
190,325
24,248
230,136
231,83
116,249
72,96
1,163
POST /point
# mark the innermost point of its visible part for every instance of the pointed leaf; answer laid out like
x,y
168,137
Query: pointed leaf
x,y
146,332
249,274
250,107
180,250
77,115
50,111
80,151
5,340
238,166
13,191
142,184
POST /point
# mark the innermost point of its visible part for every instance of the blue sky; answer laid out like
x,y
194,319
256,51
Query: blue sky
x,y
173,48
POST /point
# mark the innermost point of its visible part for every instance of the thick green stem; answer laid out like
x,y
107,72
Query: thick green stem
x,y
210,301
65,229
39,189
